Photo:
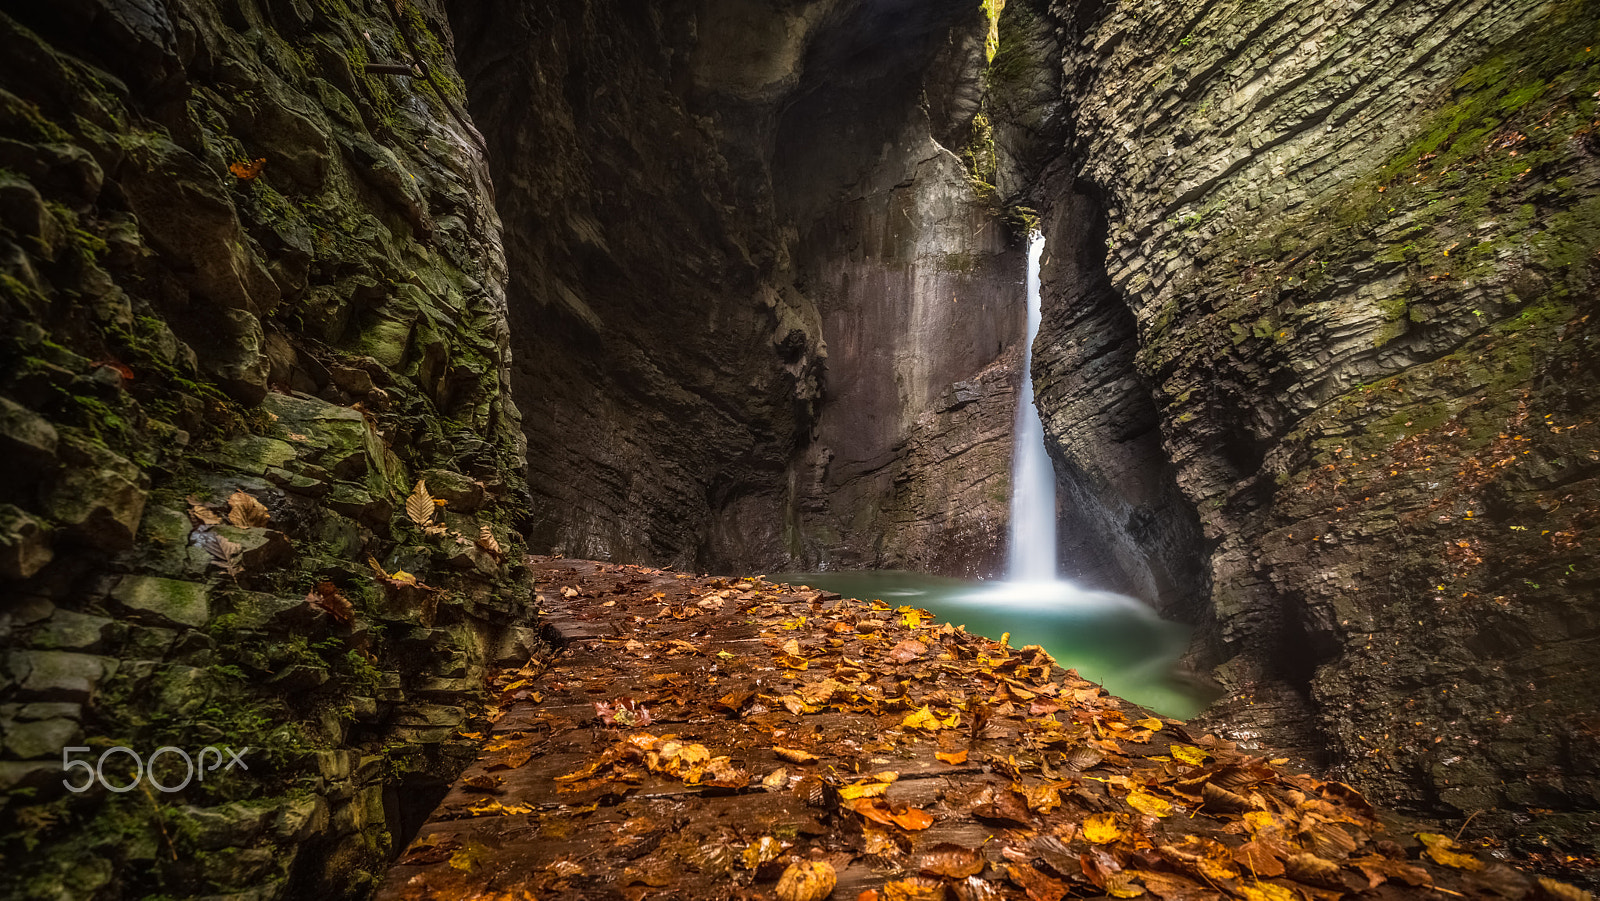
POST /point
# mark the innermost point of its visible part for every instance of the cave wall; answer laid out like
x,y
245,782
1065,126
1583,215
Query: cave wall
x,y
763,317
1357,244
250,293
917,279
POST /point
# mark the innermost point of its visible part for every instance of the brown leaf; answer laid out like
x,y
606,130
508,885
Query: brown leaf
x,y
951,861
1381,869
224,553
1175,888
202,514
1263,857
483,782
420,505
486,540
907,651
1001,804
246,512
1220,800
1038,886
1311,868
326,597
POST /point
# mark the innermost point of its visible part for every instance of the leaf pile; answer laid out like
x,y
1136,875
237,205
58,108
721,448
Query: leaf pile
x,y
703,738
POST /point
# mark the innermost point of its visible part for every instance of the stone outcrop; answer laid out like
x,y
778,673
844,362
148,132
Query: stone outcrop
x,y
750,269
237,261
1355,245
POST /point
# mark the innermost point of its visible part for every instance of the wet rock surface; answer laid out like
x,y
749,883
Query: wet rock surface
x,y
251,292
1357,249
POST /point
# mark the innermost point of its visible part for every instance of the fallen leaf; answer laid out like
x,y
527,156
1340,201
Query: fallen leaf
x,y
819,692
245,170
916,888
327,597
955,758
246,512
874,789
1265,891
1445,851
794,755
1149,804
760,851
1189,754
907,651
1038,886
202,514
807,880
1312,869
1102,828
487,541
483,782
950,861
420,505
225,553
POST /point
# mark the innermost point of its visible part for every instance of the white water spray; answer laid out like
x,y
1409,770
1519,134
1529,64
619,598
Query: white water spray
x,y
1032,553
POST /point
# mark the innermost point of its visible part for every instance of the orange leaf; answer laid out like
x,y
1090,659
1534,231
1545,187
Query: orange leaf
x,y
246,170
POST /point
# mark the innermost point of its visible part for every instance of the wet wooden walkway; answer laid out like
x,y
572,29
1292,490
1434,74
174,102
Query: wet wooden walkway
x,y
705,738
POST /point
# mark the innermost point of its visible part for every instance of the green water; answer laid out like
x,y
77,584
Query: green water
x,y
1107,638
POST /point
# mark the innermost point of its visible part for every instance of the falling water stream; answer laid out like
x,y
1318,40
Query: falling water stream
x,y
1032,538
1111,638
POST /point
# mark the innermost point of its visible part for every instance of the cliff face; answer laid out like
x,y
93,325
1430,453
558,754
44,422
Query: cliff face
x,y
1356,246
762,313
252,292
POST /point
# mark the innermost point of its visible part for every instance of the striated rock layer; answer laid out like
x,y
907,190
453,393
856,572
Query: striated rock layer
x,y
1356,244
758,300
251,292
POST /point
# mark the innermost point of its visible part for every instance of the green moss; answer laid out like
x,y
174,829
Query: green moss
x,y
980,158
991,42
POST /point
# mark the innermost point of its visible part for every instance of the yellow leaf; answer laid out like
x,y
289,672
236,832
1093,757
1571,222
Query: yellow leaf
x,y
1443,850
863,790
923,718
912,620
1121,885
1265,891
1102,828
955,758
1151,723
401,575
794,755
1149,805
1189,754
760,851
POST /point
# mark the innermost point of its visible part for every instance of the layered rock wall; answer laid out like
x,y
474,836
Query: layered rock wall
x,y
761,311
1356,243
252,292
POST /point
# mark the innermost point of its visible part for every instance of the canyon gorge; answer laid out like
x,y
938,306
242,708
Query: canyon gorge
x,y
736,286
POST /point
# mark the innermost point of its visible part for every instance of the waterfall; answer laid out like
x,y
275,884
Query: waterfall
x,y
1033,481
